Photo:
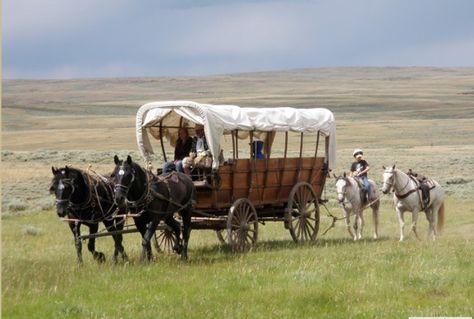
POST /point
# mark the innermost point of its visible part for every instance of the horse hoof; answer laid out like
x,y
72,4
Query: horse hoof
x,y
99,257
178,249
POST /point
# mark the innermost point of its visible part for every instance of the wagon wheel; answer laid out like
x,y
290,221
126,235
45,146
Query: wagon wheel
x,y
302,215
242,225
164,240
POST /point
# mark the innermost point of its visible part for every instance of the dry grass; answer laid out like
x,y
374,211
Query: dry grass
x,y
420,118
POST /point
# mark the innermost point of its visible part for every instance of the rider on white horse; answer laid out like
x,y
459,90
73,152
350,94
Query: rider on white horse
x,y
359,169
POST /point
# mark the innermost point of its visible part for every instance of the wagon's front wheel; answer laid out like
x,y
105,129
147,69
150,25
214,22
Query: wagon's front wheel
x,y
165,240
302,214
242,225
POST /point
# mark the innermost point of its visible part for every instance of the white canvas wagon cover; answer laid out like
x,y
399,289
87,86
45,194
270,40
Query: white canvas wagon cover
x,y
220,119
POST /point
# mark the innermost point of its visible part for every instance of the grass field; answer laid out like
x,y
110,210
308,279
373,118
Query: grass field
x,y
419,118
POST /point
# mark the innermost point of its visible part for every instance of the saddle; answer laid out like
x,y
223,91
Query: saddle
x,y
424,184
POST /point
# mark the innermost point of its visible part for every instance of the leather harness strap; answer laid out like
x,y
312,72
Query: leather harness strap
x,y
406,194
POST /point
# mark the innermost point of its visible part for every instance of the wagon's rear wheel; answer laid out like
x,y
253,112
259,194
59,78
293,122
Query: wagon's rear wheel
x,y
302,215
242,225
165,240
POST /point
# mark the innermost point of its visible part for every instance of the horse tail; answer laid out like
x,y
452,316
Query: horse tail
x,y
440,224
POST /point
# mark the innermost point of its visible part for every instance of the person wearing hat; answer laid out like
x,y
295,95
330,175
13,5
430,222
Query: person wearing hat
x,y
360,168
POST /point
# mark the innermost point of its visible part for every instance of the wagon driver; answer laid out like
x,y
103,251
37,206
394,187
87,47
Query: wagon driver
x,y
181,150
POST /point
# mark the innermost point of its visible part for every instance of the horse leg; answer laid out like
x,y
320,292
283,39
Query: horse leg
x,y
111,225
347,217
401,220
118,239
146,242
356,225
360,226
413,223
176,228
100,257
75,228
186,232
433,219
375,218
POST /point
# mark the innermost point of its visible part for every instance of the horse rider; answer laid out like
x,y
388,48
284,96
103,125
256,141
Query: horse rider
x,y
359,169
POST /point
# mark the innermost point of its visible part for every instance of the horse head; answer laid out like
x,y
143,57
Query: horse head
x,y
63,187
341,184
388,179
123,177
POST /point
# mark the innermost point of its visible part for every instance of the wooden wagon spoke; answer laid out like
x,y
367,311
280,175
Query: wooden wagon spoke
x,y
242,223
303,213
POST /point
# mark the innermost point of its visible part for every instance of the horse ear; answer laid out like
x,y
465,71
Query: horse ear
x,y
54,170
67,170
383,166
344,174
393,167
334,176
116,160
129,160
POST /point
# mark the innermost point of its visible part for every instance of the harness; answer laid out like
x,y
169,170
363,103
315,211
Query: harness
x,y
150,194
92,201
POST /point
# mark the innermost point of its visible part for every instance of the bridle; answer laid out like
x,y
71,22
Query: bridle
x,y
392,173
343,193
146,197
123,188
62,182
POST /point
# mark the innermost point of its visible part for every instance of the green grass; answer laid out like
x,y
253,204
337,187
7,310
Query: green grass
x,y
331,278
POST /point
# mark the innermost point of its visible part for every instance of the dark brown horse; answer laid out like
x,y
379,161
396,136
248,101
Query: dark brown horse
x,y
154,199
88,200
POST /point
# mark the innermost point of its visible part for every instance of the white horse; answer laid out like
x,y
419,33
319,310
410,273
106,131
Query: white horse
x,y
350,197
407,197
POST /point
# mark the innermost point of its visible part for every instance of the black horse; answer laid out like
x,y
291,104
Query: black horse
x,y
88,200
154,199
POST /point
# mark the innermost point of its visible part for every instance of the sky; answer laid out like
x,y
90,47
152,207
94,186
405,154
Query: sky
x,y
61,39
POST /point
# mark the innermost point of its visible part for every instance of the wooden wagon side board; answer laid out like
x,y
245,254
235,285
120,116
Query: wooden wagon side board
x,y
263,181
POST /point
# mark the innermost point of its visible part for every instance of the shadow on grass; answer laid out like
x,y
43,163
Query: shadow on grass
x,y
218,252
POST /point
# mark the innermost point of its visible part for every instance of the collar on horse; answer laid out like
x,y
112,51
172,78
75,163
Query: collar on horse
x,y
147,196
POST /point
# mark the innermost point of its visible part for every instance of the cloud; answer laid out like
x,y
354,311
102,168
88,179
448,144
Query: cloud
x,y
67,38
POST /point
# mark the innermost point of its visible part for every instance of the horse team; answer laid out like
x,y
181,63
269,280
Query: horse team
x,y
90,199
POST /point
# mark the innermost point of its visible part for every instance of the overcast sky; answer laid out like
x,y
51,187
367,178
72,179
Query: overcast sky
x,y
114,38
